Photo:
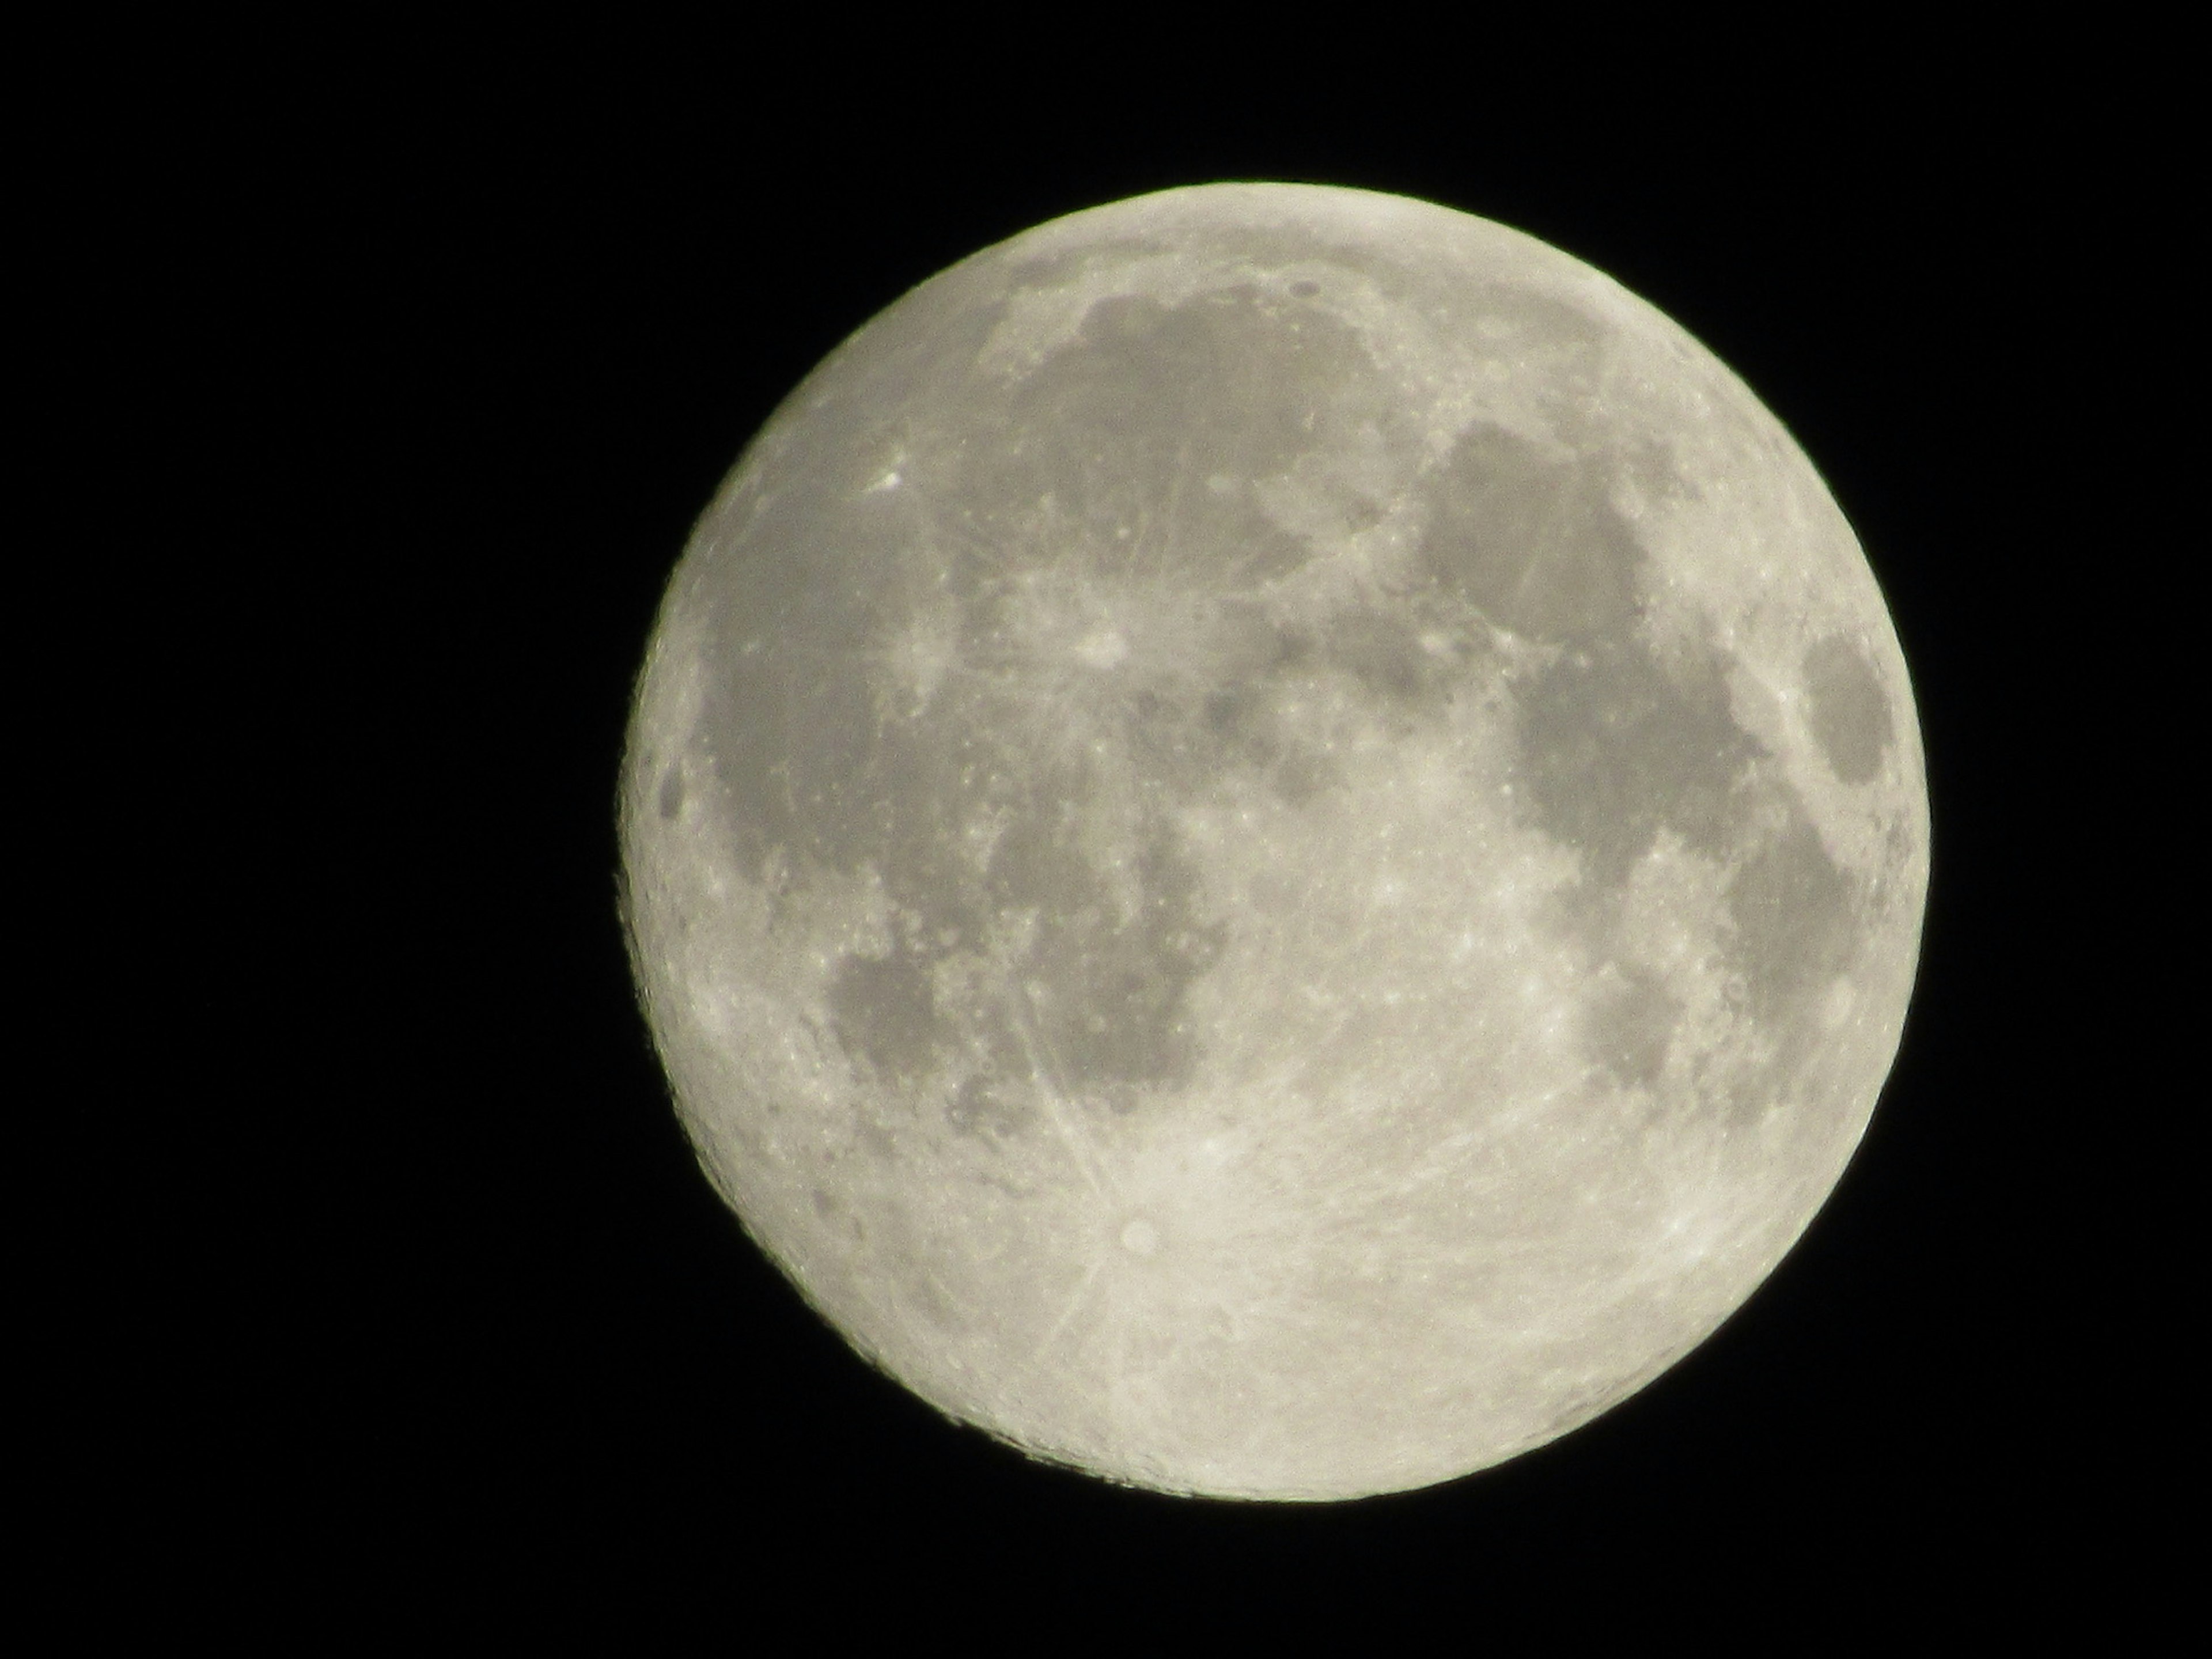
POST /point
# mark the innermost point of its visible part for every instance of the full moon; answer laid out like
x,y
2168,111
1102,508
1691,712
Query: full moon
x,y
1275,841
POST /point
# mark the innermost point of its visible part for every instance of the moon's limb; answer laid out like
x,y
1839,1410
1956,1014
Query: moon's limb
x,y
1276,841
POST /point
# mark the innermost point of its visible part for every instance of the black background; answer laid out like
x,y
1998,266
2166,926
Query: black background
x,y
461,332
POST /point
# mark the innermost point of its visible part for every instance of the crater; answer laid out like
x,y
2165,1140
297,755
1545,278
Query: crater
x,y
982,1106
671,792
1851,720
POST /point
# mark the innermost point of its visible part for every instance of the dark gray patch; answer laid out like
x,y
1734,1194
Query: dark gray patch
x,y
804,574
815,573
811,576
1240,719
885,1012
1174,748
1305,287
1385,654
792,720
671,792
1104,994
1189,737
1612,748
1630,1027
1851,712
1302,774
1794,930
1121,425
1531,543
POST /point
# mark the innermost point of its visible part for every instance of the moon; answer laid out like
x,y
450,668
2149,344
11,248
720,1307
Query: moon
x,y
1275,841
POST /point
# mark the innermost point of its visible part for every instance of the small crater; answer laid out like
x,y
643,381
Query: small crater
x,y
979,1107
1851,713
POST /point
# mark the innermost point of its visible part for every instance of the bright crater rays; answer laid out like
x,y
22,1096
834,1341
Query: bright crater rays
x,y
1275,840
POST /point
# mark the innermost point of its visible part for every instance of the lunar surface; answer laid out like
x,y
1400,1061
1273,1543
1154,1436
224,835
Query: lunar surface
x,y
1275,839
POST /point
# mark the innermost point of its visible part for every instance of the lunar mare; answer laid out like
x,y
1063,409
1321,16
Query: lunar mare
x,y
1275,840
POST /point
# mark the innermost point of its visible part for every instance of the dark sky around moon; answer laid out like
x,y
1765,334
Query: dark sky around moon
x,y
487,337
